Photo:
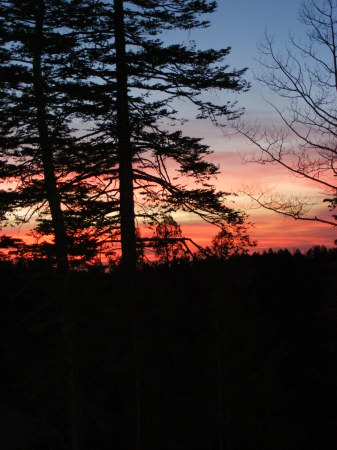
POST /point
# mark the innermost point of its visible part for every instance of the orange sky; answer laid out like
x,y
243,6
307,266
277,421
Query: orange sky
x,y
270,230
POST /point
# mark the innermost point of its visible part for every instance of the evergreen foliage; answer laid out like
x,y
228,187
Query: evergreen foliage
x,y
39,99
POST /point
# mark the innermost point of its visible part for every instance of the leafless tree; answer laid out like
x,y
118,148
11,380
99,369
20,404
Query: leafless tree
x,y
304,75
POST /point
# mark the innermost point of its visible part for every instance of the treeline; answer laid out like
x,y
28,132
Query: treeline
x,y
219,354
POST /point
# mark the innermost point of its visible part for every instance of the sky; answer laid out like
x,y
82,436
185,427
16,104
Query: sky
x,y
241,24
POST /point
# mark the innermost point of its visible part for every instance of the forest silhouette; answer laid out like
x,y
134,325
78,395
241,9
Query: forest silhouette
x,y
218,354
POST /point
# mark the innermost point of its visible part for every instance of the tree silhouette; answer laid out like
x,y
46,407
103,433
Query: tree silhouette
x,y
230,241
136,81
32,125
42,142
168,243
305,75
114,153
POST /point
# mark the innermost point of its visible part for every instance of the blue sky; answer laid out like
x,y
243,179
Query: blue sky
x,y
241,25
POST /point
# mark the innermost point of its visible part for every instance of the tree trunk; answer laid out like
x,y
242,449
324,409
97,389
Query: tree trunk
x,y
127,213
67,333
127,209
46,148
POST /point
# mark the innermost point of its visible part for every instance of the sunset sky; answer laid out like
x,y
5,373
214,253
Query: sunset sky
x,y
241,25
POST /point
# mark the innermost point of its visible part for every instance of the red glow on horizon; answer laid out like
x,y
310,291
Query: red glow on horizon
x,y
270,229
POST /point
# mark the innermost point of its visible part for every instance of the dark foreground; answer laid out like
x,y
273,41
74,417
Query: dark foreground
x,y
230,355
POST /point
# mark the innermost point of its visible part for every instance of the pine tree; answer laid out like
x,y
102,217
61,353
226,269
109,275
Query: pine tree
x,y
30,127
140,80
111,88
39,85
44,46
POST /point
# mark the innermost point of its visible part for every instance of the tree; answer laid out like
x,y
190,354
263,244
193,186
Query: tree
x,y
305,75
140,80
168,243
124,149
29,126
39,144
110,120
41,138
230,241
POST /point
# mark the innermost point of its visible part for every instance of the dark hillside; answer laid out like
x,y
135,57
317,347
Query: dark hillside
x,y
237,354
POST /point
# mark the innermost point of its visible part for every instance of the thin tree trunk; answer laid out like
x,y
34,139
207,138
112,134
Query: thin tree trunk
x,y
127,213
46,149
52,194
127,209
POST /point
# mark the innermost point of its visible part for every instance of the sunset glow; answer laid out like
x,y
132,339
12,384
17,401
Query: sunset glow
x,y
269,230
